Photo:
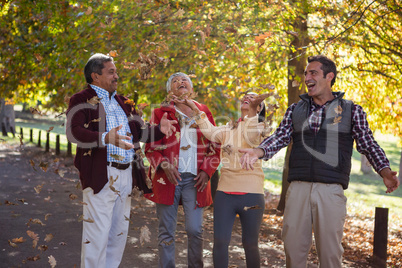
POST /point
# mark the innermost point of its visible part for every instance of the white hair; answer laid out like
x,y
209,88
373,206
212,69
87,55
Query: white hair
x,y
169,82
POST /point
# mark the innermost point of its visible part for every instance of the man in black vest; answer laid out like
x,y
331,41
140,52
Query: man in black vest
x,y
323,127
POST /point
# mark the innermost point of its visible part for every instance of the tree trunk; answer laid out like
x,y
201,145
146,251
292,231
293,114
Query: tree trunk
x,y
365,165
296,86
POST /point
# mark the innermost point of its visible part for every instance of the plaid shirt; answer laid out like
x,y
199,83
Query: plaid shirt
x,y
361,133
115,117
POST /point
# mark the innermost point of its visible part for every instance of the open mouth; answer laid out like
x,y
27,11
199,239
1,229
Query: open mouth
x,y
310,85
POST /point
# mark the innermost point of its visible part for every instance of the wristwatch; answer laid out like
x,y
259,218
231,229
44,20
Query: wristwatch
x,y
199,116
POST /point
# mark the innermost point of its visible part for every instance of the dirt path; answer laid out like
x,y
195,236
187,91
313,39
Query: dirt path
x,y
46,204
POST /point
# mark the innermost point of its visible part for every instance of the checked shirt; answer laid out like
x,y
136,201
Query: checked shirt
x,y
361,133
115,117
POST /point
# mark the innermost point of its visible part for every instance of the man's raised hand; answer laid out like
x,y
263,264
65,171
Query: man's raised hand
x,y
114,138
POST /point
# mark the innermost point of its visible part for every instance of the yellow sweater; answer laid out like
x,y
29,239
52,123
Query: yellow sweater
x,y
246,135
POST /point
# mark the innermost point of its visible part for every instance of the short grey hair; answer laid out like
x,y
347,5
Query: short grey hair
x,y
95,64
169,81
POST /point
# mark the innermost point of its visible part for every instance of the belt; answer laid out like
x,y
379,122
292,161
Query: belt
x,y
119,165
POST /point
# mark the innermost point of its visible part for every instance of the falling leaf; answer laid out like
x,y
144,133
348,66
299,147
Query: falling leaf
x,y
81,218
120,234
296,34
88,153
167,243
141,106
43,247
261,38
34,258
52,261
47,216
160,148
94,120
34,237
161,181
73,196
48,238
252,207
32,164
194,125
36,221
60,172
188,26
295,83
185,148
338,109
117,157
88,11
43,166
228,149
177,134
87,241
145,235
113,53
67,99
94,100
47,199
18,240
14,245
38,188
230,29
50,129
179,13
337,120
128,219
35,111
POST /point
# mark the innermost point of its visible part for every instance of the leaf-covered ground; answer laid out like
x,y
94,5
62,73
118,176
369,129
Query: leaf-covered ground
x,y
40,208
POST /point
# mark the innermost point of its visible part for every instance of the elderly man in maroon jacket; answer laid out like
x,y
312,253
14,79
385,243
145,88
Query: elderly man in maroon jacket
x,y
105,128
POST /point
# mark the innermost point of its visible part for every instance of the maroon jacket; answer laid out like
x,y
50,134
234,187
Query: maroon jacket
x,y
91,156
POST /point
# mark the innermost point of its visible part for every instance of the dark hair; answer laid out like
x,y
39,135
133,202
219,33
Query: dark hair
x,y
95,65
261,114
328,65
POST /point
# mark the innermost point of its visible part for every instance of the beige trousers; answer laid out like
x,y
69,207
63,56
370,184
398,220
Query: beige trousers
x,y
317,207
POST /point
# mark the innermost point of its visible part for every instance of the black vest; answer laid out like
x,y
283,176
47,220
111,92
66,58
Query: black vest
x,y
326,156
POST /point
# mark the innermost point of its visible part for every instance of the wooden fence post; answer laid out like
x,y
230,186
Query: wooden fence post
x,y
47,148
69,149
380,237
39,139
57,144
31,135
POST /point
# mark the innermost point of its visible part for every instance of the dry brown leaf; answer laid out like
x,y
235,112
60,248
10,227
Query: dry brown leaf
x,y
12,244
48,238
18,240
88,11
185,148
43,166
145,235
117,157
88,153
73,196
38,188
52,261
94,100
47,216
50,129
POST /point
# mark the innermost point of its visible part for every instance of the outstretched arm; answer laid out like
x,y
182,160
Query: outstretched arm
x,y
250,156
390,179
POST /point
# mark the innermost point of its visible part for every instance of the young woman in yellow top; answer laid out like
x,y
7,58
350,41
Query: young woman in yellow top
x,y
240,191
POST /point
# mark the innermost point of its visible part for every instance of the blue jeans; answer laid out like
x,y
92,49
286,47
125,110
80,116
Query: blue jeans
x,y
167,215
226,206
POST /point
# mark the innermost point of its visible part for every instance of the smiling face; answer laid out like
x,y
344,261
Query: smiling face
x,y
181,85
108,79
318,86
245,102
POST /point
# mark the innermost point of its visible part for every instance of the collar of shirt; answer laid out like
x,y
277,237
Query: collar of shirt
x,y
103,93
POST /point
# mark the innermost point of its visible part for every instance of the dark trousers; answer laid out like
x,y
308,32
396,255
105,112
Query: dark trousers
x,y
226,207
